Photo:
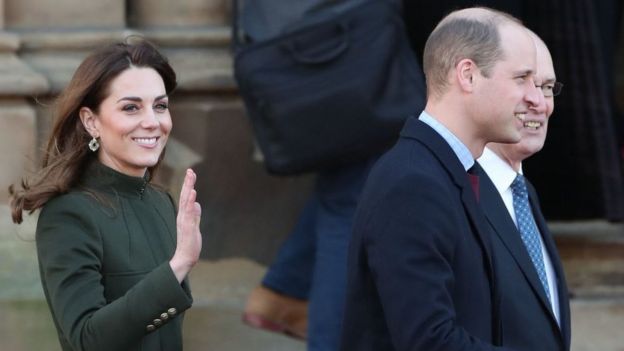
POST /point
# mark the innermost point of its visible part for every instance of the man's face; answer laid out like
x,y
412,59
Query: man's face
x,y
536,123
505,98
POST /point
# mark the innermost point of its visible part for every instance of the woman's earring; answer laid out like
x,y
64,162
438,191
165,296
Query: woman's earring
x,y
94,145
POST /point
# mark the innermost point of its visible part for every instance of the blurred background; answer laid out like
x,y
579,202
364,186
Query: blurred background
x,y
246,211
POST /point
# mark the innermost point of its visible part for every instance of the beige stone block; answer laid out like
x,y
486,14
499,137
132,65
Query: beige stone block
x,y
215,37
56,67
2,12
56,55
64,14
178,158
9,42
197,69
89,39
19,276
44,109
203,69
201,58
34,41
18,78
17,143
180,13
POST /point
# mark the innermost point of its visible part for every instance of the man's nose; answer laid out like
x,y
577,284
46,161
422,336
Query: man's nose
x,y
539,107
534,95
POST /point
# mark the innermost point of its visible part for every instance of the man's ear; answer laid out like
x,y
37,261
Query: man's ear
x,y
466,72
87,117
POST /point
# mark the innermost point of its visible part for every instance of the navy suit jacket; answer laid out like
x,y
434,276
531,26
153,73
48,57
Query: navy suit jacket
x,y
420,271
527,320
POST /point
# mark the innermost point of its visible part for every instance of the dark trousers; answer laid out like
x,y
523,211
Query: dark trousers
x,y
312,262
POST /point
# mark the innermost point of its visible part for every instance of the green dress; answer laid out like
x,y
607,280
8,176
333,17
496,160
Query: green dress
x,y
104,251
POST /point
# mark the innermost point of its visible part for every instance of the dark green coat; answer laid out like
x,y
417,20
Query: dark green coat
x,y
104,251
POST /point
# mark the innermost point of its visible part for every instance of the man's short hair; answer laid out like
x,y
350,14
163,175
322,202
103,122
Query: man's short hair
x,y
458,37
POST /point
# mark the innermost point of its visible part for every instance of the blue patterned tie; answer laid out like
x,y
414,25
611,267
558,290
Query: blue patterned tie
x,y
528,228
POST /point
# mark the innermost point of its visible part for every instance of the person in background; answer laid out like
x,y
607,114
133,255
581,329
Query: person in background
x,y
113,256
311,263
421,275
532,283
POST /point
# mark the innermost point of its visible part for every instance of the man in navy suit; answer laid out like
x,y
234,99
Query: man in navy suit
x,y
531,318
421,273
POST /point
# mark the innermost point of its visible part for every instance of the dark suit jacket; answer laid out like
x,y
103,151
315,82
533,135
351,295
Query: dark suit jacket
x,y
419,263
527,319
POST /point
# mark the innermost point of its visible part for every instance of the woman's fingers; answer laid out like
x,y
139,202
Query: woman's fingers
x,y
189,210
187,188
197,212
187,185
189,240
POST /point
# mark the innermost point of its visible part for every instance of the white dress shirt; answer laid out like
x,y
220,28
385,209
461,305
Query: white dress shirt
x,y
502,175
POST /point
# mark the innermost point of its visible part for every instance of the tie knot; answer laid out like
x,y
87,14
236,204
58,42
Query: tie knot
x,y
474,170
518,186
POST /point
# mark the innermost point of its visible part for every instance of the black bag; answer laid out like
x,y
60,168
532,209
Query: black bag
x,y
332,92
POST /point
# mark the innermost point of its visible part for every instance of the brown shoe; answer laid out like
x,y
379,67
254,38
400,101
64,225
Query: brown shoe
x,y
269,310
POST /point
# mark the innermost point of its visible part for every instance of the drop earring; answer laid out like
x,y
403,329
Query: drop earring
x,y
94,145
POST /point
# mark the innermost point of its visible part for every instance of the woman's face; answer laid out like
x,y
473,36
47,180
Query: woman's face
x,y
133,122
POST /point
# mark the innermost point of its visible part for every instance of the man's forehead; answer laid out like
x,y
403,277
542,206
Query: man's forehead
x,y
519,48
545,68
513,35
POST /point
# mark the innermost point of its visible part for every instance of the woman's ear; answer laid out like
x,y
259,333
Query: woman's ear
x,y
87,117
466,72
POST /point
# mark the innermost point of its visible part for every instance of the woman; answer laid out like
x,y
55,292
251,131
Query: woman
x,y
113,257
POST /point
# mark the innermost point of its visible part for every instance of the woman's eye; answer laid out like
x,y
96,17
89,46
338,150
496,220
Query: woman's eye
x,y
130,108
162,106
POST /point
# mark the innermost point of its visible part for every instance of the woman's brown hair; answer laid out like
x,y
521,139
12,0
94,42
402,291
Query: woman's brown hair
x,y
66,154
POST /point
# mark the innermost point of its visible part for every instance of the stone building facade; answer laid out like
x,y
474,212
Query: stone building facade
x,y
246,212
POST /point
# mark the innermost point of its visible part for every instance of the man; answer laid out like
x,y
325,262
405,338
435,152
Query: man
x,y
420,267
534,306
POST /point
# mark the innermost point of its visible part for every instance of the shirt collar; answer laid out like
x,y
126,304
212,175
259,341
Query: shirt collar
x,y
499,171
462,152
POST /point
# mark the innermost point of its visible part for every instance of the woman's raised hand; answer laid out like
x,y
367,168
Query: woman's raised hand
x,y
189,238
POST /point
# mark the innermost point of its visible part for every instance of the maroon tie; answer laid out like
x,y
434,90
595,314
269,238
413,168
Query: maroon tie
x,y
473,176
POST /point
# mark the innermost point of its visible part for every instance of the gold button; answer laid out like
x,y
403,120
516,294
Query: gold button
x,y
157,322
150,327
172,311
164,316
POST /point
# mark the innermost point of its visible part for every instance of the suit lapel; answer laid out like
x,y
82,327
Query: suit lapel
x,y
420,131
564,311
496,213
423,133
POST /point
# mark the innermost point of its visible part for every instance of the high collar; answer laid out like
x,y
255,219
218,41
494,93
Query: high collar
x,y
105,179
